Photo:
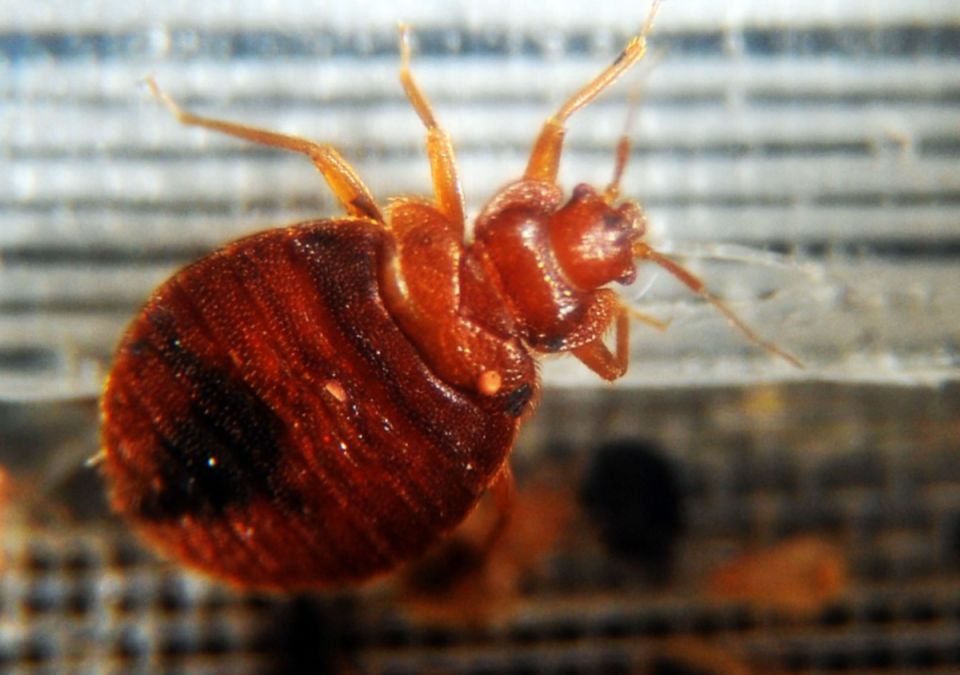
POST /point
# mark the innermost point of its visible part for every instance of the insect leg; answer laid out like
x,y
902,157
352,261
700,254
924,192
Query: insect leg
x,y
545,157
595,354
443,163
343,180
504,493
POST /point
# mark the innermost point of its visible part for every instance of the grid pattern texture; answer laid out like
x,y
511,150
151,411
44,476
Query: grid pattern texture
x,y
800,156
873,471
816,141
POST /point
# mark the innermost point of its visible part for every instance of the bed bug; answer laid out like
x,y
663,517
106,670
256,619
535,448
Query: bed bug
x,y
314,405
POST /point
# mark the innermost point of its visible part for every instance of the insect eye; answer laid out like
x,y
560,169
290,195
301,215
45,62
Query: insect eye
x,y
582,192
612,221
518,399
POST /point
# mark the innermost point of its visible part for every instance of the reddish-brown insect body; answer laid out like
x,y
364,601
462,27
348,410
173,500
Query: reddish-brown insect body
x,y
315,405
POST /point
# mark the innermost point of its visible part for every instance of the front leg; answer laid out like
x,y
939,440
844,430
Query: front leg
x,y
545,158
595,354
443,163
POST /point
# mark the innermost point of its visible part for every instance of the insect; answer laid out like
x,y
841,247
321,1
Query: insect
x,y
315,405
798,577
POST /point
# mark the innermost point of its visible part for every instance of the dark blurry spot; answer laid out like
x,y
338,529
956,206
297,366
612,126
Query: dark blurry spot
x,y
669,666
878,611
564,631
879,655
81,560
655,625
217,642
42,597
836,616
173,596
37,437
82,493
28,359
438,573
132,643
38,649
82,599
128,554
40,559
633,495
178,642
923,657
836,659
950,539
862,469
919,610
304,637
796,659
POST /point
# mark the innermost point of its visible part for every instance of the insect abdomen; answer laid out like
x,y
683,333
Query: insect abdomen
x,y
268,422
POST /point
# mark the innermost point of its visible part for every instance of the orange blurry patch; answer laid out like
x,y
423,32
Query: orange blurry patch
x,y
796,577
464,582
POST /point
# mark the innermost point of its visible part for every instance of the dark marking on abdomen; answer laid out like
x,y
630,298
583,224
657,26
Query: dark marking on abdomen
x,y
224,448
